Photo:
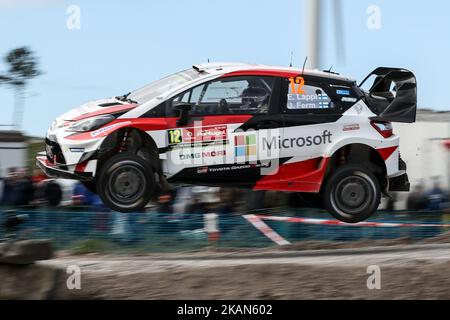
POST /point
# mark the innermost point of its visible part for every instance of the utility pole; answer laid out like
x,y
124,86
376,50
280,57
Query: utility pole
x,y
312,27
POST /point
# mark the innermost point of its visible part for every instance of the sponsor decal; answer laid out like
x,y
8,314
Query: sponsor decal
x,y
205,134
202,170
348,99
103,130
202,154
245,145
197,134
296,142
308,101
343,92
297,85
351,127
77,150
175,136
358,108
230,168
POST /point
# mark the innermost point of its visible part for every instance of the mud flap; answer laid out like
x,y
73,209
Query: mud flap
x,y
400,183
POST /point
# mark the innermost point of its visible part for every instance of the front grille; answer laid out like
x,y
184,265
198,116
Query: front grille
x,y
54,152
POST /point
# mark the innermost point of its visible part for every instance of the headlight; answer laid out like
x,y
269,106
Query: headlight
x,y
53,126
90,124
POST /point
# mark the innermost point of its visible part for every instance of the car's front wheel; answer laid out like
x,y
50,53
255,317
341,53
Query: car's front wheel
x,y
126,183
351,193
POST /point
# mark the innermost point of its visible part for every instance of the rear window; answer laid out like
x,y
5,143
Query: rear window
x,y
305,96
309,97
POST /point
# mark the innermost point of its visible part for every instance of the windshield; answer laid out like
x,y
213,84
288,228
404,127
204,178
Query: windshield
x,y
159,87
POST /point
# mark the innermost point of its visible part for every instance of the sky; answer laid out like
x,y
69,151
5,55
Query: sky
x,y
123,45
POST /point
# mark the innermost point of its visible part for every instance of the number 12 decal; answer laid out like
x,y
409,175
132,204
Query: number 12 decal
x,y
175,136
297,85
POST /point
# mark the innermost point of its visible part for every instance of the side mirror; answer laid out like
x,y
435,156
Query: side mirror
x,y
183,109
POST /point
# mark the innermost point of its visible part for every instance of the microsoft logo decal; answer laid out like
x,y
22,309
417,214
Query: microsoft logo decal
x,y
245,145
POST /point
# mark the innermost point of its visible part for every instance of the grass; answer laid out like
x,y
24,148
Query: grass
x,y
91,246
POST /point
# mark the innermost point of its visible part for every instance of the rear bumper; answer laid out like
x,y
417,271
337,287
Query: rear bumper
x,y
54,171
399,183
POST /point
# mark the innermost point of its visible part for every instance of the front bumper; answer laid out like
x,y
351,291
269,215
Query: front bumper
x,y
56,171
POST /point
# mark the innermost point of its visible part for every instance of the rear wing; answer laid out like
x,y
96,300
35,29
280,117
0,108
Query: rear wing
x,y
393,95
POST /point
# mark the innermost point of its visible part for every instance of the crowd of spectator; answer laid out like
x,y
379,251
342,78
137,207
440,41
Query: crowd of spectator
x,y
433,199
21,188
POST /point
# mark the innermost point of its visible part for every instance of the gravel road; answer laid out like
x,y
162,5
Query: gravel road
x,y
407,272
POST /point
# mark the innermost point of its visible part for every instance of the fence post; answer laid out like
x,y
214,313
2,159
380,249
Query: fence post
x,y
211,228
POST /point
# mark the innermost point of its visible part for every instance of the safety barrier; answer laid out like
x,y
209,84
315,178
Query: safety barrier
x,y
258,223
86,231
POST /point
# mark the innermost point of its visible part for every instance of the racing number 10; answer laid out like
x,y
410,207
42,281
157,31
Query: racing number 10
x,y
297,85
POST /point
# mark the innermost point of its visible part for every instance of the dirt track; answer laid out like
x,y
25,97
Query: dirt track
x,y
406,273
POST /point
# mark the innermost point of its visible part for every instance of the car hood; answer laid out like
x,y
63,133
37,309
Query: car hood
x,y
96,108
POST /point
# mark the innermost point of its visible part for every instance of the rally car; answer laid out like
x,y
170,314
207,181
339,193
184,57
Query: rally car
x,y
242,125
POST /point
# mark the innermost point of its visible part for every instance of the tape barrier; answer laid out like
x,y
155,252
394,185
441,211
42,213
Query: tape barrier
x,y
265,229
258,223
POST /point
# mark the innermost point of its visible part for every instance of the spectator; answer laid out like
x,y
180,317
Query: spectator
x,y
416,199
23,190
53,193
82,196
8,187
165,203
226,205
436,197
390,205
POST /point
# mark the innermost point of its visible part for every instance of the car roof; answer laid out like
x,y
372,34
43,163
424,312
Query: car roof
x,y
224,68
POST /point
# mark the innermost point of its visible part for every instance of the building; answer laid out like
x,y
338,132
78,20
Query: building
x,y
424,147
13,150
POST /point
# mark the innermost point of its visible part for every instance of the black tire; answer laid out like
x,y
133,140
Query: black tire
x,y
126,183
351,193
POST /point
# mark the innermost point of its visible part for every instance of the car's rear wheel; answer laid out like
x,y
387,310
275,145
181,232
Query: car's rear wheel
x,y
126,183
351,193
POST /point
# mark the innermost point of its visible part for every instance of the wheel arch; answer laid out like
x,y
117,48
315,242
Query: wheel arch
x,y
359,153
130,139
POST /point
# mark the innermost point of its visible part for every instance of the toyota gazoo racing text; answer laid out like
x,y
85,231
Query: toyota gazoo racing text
x,y
242,125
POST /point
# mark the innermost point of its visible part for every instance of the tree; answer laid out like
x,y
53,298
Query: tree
x,y
22,67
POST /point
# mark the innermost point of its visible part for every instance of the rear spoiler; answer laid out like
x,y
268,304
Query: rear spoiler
x,y
393,95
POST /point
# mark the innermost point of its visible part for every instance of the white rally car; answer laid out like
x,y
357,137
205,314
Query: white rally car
x,y
241,125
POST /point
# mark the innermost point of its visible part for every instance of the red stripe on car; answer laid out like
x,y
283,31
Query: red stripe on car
x,y
151,124
263,72
105,111
385,153
302,176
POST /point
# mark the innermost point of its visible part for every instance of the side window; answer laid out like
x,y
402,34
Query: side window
x,y
156,112
306,97
314,96
191,96
236,95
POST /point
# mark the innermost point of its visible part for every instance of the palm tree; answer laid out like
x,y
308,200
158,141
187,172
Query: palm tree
x,y
23,66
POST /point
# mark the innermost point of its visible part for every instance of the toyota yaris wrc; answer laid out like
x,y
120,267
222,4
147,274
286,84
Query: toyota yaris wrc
x,y
241,125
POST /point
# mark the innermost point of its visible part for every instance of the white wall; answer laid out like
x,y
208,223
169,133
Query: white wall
x,y
12,154
422,148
